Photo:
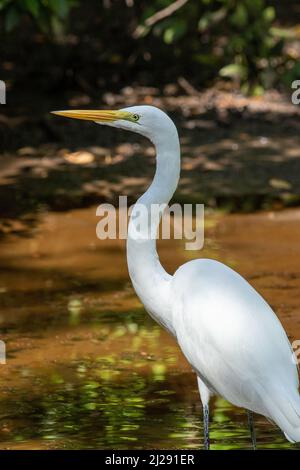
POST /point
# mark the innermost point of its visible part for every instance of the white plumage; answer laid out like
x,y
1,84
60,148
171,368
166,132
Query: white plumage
x,y
235,343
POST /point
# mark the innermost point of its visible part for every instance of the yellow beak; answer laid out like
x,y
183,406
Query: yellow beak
x,y
93,115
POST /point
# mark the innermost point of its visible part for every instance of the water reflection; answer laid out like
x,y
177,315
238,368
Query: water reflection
x,y
104,408
87,368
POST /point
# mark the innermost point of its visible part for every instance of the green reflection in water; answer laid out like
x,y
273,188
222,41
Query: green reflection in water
x,y
128,397
115,410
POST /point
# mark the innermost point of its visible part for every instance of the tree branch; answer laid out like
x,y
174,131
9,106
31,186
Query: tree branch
x,y
158,16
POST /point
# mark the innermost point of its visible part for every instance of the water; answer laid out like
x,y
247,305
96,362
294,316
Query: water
x,y
86,366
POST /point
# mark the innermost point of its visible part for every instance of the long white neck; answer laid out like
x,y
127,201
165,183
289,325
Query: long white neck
x,y
150,281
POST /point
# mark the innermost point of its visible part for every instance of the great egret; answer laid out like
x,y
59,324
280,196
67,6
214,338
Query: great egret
x,y
228,333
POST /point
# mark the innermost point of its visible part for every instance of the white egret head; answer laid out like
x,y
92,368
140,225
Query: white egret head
x,y
145,120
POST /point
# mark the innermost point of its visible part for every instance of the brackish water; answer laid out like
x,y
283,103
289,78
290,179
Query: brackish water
x,y
86,366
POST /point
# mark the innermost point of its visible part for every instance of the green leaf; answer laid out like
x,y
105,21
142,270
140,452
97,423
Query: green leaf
x,y
61,8
211,18
56,26
258,90
11,19
203,23
206,59
3,4
33,6
233,71
283,33
269,14
254,6
175,32
240,16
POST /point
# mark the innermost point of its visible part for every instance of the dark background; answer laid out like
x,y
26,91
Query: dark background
x,y
223,69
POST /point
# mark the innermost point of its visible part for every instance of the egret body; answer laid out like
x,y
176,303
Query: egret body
x,y
231,337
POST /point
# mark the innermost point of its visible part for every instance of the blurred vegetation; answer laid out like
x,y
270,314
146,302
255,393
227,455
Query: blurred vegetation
x,y
233,38
48,15
240,41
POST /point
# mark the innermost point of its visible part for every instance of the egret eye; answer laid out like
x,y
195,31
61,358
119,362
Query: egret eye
x,y
135,117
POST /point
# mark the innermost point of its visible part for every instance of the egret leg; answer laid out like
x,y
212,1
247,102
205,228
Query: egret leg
x,y
251,428
205,395
206,427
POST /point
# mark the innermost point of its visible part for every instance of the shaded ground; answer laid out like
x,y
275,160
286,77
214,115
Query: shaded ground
x,y
239,154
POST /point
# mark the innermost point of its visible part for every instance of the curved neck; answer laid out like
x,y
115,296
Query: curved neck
x,y
150,281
